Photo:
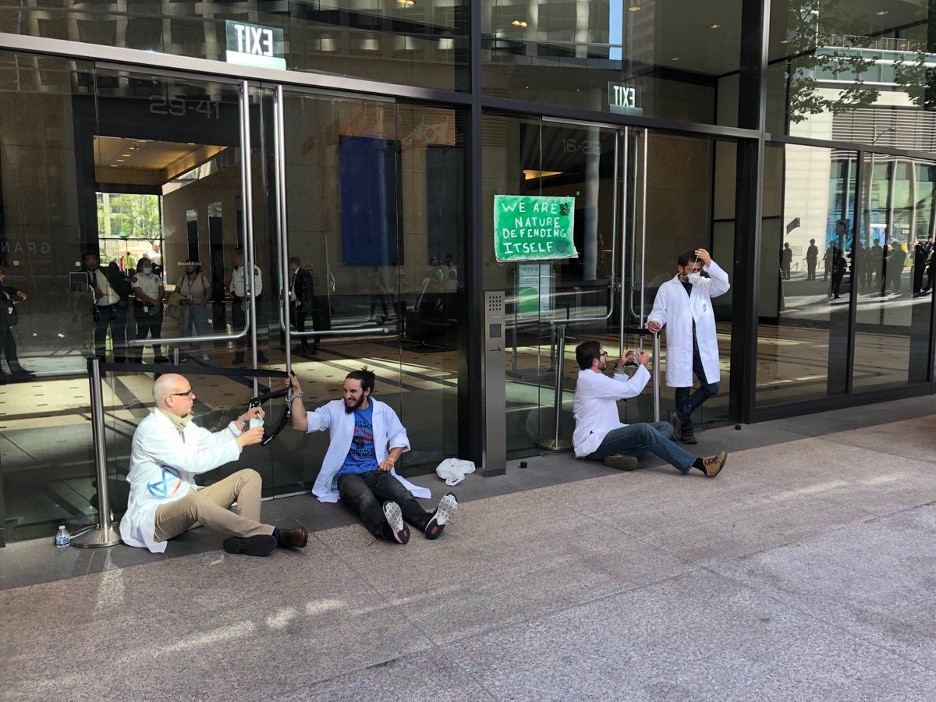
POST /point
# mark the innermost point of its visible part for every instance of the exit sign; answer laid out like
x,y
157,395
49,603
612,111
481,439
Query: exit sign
x,y
622,99
254,45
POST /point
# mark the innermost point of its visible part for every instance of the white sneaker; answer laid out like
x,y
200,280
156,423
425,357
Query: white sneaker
x,y
204,357
394,516
444,513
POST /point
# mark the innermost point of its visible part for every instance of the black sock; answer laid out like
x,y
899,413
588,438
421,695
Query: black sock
x,y
697,463
276,535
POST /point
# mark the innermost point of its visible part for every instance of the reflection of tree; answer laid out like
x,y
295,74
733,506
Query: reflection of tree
x,y
916,77
814,50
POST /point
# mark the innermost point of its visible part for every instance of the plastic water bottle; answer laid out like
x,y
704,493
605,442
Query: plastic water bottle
x,y
62,539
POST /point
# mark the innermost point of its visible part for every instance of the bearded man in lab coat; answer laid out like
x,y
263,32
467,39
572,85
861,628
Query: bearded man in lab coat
x,y
168,450
366,439
684,306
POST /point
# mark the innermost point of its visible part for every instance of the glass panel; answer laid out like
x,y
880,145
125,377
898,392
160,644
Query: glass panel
x,y
850,71
376,198
675,60
892,338
412,42
527,157
680,170
46,452
805,273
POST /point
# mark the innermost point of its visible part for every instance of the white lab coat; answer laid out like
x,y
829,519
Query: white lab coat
x,y
676,311
389,433
163,466
595,405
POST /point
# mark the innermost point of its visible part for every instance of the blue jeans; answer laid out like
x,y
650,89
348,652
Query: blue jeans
x,y
687,403
197,319
638,439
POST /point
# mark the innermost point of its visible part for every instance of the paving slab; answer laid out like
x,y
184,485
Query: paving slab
x,y
694,637
876,579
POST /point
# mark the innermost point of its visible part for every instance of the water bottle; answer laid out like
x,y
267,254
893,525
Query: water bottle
x,y
62,539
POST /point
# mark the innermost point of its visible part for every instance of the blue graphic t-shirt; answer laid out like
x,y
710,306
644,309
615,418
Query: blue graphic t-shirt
x,y
361,458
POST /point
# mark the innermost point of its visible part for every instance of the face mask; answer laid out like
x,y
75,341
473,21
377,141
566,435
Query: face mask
x,y
694,278
147,271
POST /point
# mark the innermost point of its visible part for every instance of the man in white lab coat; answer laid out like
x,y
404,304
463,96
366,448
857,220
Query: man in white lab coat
x,y
366,439
684,306
599,434
168,450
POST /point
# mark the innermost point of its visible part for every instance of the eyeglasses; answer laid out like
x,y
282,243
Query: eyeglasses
x,y
182,394
603,353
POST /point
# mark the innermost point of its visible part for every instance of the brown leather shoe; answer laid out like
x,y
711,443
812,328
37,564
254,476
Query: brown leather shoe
x,y
714,464
297,537
620,461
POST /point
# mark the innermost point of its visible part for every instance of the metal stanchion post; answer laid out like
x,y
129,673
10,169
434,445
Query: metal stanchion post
x,y
557,444
656,377
104,534
175,355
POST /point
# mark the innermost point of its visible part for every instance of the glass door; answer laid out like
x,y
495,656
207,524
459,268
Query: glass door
x,y
368,200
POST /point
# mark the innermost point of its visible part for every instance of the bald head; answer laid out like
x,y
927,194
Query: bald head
x,y
174,394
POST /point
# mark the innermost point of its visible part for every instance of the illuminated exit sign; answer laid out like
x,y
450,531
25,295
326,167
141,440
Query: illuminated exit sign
x,y
622,99
254,45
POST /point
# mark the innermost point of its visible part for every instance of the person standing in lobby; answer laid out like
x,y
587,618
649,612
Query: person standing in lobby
x,y
148,308
684,306
108,314
301,300
9,297
241,289
195,290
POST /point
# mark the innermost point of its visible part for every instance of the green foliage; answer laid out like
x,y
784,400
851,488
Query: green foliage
x,y
814,50
130,216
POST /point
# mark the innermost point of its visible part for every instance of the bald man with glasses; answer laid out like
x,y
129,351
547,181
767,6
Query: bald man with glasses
x,y
168,451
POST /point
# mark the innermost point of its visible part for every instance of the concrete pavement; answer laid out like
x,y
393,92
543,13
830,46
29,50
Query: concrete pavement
x,y
805,571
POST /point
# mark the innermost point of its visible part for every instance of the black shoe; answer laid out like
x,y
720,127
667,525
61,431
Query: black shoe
x,y
160,359
238,359
261,358
677,425
250,545
687,436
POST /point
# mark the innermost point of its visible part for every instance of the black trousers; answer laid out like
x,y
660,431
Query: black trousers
x,y
148,324
114,318
366,493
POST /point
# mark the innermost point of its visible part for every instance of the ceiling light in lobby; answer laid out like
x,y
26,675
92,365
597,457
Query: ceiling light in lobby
x,y
675,58
714,26
633,6
881,13
519,23
405,3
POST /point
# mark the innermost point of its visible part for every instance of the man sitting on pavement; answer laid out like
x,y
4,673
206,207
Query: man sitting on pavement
x,y
366,439
600,435
168,450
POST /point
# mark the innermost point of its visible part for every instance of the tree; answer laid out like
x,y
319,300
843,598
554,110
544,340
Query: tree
x,y
815,49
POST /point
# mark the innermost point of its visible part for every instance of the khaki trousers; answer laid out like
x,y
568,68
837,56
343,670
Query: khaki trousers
x,y
210,507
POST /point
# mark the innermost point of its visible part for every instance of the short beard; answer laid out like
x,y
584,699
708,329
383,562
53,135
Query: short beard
x,y
356,406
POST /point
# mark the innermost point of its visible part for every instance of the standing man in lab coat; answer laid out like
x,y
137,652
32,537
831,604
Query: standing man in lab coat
x,y
684,306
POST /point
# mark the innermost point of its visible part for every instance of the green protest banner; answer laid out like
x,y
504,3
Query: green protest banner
x,y
531,228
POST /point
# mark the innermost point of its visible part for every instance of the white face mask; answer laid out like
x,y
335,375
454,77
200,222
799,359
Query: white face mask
x,y
694,278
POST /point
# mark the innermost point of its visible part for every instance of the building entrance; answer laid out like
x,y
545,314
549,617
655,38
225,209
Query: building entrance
x,y
641,198
349,212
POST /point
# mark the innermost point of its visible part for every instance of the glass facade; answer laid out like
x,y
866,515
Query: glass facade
x,y
627,109
414,43
673,60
